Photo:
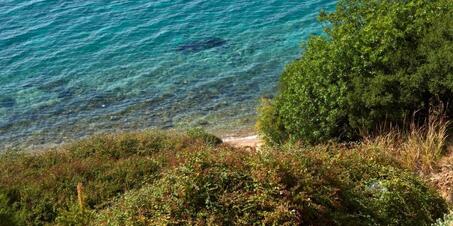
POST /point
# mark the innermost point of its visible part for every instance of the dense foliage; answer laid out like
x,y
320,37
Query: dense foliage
x,y
379,62
446,221
309,187
157,178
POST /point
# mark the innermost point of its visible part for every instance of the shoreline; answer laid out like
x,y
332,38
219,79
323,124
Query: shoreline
x,y
252,141
245,136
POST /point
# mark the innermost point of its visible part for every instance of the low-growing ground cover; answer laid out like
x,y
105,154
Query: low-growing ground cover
x,y
169,178
36,187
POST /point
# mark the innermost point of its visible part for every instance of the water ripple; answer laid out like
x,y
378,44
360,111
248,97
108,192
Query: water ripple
x,y
73,68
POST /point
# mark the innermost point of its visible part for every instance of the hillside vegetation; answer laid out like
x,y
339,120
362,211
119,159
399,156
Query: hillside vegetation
x,y
168,178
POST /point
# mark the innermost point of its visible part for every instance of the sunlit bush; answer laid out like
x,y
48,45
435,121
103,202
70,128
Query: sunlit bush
x,y
379,63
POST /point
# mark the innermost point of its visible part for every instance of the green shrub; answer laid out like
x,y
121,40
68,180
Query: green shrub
x,y
446,221
379,62
75,216
295,187
269,124
9,216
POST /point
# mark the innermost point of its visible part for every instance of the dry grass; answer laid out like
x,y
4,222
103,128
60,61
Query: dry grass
x,y
425,150
418,149
442,179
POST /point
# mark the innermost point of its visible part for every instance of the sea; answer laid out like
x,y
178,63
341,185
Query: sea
x,y
71,68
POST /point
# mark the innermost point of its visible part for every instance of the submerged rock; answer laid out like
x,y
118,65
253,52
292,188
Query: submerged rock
x,y
53,85
201,45
7,102
65,93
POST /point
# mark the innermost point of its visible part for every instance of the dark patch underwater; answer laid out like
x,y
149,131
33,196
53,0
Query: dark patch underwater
x,y
7,102
200,45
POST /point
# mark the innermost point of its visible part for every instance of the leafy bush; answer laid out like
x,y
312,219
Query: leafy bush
x,y
75,216
8,214
446,221
378,62
269,124
321,186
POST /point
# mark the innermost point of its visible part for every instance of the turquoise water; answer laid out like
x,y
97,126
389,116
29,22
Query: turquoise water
x,y
73,68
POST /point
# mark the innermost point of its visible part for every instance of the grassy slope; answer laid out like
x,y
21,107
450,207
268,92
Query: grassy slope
x,y
171,178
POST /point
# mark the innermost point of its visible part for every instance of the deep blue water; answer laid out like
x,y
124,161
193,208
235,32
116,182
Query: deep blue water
x,y
71,68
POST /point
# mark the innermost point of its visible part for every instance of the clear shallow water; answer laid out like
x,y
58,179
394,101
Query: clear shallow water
x,y
73,68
